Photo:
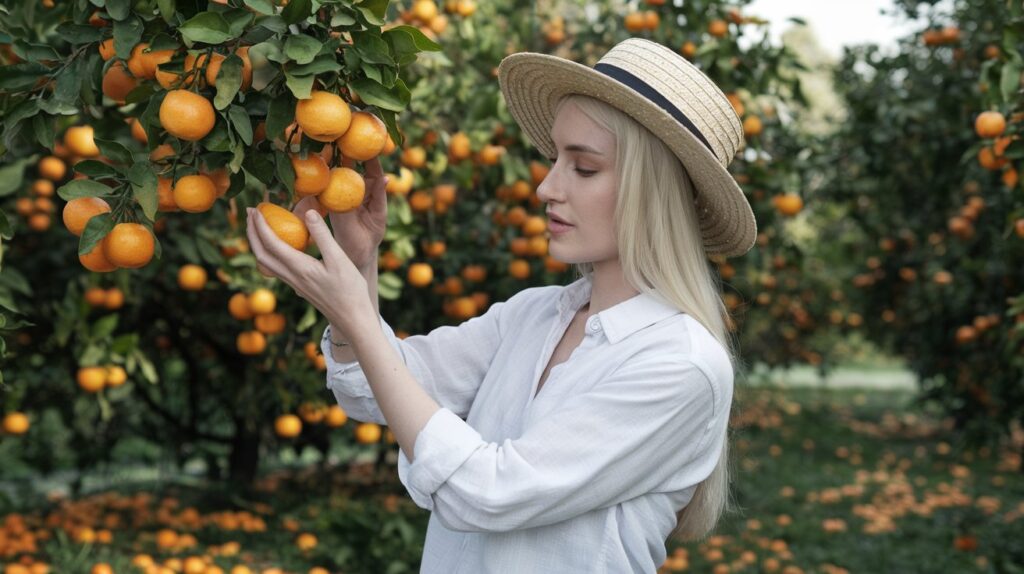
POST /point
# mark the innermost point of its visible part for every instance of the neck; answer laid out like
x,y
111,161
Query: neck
x,y
608,287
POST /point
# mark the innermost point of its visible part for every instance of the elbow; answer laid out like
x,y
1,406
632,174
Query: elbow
x,y
484,515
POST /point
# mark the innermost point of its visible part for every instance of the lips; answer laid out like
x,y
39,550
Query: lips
x,y
554,217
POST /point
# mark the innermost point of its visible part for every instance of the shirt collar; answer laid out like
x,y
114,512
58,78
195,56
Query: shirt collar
x,y
623,319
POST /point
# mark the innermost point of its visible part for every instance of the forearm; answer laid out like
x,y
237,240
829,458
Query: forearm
x,y
347,354
406,406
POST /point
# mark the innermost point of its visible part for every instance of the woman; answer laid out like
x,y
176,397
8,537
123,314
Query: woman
x,y
596,414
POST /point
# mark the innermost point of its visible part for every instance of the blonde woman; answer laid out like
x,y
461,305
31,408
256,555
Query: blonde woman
x,y
569,429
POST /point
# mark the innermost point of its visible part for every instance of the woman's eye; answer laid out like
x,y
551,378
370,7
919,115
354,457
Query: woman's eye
x,y
585,173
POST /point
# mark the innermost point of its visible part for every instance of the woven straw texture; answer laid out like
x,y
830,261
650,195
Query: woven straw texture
x,y
533,83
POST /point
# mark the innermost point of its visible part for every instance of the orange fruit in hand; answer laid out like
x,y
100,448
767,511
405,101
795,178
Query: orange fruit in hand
x,y
345,190
311,174
285,224
117,82
79,139
191,277
214,67
80,210
323,116
186,115
129,245
288,426
195,193
365,137
96,260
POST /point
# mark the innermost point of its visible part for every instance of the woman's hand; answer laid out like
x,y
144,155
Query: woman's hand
x,y
335,286
360,232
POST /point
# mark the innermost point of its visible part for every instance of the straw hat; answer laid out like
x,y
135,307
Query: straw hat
x,y
666,94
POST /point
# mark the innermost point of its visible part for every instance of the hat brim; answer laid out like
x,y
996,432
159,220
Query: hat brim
x,y
533,83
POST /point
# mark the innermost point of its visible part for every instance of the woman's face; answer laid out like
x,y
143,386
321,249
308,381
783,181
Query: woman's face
x,y
581,189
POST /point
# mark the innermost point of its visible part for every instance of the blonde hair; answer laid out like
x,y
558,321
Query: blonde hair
x,y
661,250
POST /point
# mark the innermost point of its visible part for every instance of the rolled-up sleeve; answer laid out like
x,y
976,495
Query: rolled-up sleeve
x,y
450,363
632,433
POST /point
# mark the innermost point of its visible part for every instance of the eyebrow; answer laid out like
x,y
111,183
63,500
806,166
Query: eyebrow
x,y
582,148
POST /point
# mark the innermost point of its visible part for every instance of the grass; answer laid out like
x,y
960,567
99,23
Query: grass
x,y
824,480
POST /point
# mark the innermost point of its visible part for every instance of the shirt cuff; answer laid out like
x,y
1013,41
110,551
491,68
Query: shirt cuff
x,y
445,442
347,376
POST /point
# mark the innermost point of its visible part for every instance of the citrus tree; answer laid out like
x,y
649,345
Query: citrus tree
x,y
926,168
149,125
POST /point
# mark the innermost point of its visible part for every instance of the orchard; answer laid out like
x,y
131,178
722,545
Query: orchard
x,y
139,337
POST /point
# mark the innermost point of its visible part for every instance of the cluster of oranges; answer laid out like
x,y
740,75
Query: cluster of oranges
x,y
110,298
259,307
38,209
941,36
424,14
992,125
356,135
94,379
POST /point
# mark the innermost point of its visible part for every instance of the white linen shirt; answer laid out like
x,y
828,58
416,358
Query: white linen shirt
x,y
587,476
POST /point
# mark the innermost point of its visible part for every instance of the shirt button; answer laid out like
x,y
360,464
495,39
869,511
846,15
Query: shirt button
x,y
595,324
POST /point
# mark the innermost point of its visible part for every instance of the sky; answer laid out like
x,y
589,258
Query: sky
x,y
836,22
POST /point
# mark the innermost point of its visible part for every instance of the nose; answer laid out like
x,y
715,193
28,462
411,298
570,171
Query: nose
x,y
547,191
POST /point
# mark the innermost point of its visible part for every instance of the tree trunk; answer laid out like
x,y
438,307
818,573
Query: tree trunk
x,y
244,460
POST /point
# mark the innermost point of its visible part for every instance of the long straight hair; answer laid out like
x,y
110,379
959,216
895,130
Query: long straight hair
x,y
661,250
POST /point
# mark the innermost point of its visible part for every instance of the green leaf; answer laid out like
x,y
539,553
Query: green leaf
x,y
95,230
302,48
144,184
325,63
300,86
35,52
285,171
127,33
1010,82
229,80
42,127
105,326
95,169
242,124
11,177
297,11
119,9
280,114
372,48
394,99
25,109
419,39
376,7
261,6
78,33
114,151
148,371
83,188
167,8
21,76
206,27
